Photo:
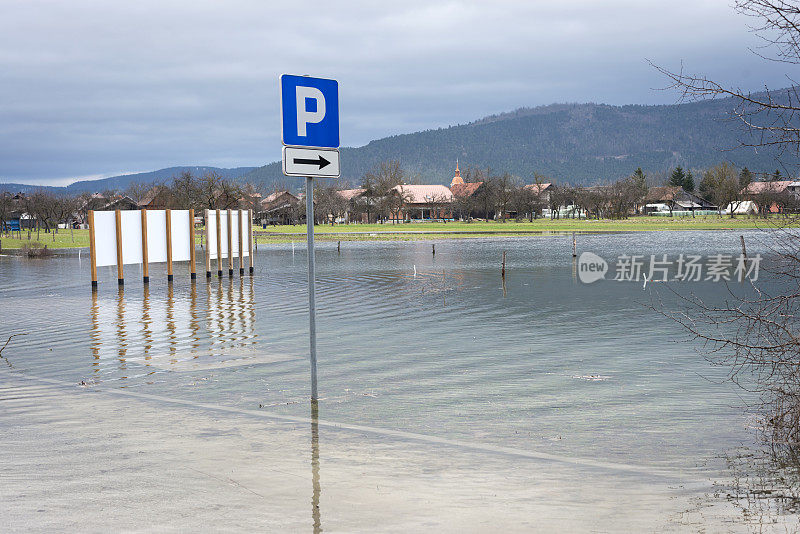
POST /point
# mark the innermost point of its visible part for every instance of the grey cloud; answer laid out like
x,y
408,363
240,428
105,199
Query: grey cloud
x,y
91,87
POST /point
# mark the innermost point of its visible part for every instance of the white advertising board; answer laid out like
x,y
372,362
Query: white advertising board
x,y
211,230
211,224
131,236
180,235
105,236
244,221
157,236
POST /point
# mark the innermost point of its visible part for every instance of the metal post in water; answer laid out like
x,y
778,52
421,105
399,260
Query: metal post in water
x,y
574,246
312,326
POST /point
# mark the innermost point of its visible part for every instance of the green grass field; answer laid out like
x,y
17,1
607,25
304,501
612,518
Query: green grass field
x,y
406,232
462,229
62,239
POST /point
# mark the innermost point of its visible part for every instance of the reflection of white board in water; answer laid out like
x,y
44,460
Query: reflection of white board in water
x,y
104,342
230,317
150,334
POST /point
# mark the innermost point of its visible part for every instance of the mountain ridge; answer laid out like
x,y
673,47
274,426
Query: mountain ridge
x,y
122,181
568,142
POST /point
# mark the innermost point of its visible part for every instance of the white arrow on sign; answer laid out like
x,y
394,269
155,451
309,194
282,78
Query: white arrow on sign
x,y
315,162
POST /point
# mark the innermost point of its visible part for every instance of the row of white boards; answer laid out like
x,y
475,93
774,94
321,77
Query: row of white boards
x,y
118,238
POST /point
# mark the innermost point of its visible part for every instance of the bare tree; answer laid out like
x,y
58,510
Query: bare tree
x,y
594,200
394,202
464,204
377,183
507,188
527,201
41,205
721,184
7,205
329,204
486,195
64,210
209,191
770,116
436,204
755,332
560,195
137,191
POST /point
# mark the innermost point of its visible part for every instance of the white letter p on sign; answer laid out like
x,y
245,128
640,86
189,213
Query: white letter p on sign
x,y
304,115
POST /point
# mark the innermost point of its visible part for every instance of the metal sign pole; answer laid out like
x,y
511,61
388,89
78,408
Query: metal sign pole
x,y
312,326
310,135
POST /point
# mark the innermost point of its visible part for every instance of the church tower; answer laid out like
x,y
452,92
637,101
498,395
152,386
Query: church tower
x,y
457,180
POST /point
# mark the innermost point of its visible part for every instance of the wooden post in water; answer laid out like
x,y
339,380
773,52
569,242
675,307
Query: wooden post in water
x,y
338,247
230,243
744,250
574,246
219,245
433,249
145,260
118,220
503,273
192,258
241,242
92,251
169,245
250,238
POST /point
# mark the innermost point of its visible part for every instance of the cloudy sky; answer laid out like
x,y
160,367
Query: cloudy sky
x,y
98,88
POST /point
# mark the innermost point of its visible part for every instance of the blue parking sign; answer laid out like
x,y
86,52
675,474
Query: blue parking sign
x,y
310,111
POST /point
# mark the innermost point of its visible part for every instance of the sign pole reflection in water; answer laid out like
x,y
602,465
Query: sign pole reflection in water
x,y
312,326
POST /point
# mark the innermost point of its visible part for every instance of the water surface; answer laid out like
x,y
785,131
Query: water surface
x,y
541,388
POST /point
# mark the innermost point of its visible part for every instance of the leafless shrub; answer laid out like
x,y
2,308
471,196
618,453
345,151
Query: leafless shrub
x,y
756,334
36,250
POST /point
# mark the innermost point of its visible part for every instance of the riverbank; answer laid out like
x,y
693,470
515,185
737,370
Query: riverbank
x,y
440,230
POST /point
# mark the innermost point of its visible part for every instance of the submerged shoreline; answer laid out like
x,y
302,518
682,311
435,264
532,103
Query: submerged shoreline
x,y
76,239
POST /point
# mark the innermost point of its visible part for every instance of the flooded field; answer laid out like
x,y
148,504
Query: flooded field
x,y
449,400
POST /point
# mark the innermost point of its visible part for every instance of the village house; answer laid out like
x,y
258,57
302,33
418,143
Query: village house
x,y
17,218
421,203
352,196
669,198
159,197
121,202
466,196
280,207
772,197
541,190
250,201
96,201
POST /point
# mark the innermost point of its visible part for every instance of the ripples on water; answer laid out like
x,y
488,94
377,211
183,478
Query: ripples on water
x,y
406,340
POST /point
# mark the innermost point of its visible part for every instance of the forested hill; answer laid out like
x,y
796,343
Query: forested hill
x,y
576,143
120,183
